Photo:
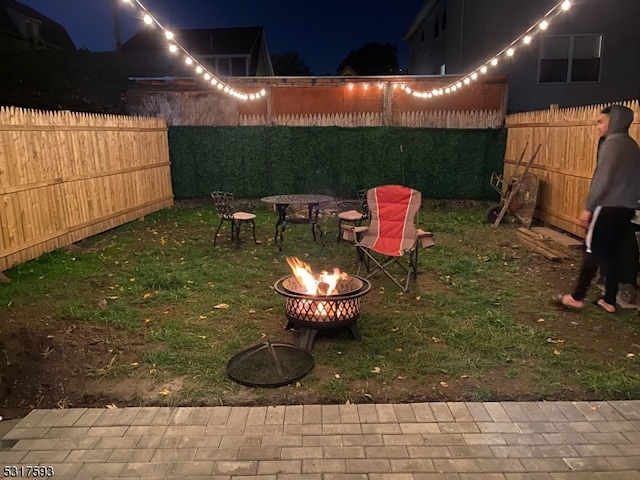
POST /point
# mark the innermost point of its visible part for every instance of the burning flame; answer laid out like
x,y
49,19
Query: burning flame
x,y
323,283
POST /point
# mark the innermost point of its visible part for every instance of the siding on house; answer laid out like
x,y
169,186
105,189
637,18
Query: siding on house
x,y
240,51
477,29
22,27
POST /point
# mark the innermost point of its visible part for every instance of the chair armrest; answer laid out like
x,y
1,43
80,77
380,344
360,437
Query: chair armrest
x,y
351,232
426,238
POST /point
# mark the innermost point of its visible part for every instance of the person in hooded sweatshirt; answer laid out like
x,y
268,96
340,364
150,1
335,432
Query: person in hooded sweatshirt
x,y
613,197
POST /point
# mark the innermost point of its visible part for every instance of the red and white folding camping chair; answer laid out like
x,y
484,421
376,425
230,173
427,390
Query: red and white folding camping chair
x,y
392,232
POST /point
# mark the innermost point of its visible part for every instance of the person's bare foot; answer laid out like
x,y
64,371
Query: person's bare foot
x,y
569,301
607,307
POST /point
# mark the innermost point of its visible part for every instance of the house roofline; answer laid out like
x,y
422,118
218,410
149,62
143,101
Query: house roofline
x,y
422,14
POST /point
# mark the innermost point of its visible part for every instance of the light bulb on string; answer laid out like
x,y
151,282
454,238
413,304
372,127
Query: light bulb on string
x,y
566,5
526,40
483,69
494,62
189,59
474,75
510,52
544,25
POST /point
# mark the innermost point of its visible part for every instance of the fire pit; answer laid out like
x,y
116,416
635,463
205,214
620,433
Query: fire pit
x,y
320,302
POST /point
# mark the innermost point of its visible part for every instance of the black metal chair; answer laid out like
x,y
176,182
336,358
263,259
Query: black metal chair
x,y
353,211
223,203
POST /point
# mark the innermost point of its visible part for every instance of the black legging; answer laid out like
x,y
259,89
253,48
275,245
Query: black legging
x,y
610,226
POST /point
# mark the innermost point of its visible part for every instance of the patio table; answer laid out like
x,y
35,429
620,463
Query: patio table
x,y
282,202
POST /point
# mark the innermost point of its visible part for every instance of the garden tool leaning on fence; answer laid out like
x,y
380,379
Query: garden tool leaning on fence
x,y
518,195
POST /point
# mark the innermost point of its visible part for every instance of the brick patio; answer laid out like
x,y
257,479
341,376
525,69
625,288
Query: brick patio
x,y
421,441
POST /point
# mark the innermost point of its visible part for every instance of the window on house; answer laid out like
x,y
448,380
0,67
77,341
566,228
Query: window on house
x,y
223,66
28,27
570,58
239,67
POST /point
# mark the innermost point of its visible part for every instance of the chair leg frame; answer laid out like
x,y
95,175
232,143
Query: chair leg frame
x,y
215,235
364,258
235,231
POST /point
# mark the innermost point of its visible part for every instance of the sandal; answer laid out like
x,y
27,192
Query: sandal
x,y
559,300
607,307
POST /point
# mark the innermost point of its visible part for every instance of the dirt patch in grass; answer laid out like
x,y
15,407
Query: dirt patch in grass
x,y
47,364
48,360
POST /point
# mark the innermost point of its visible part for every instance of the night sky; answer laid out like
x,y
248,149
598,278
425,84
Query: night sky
x,y
323,33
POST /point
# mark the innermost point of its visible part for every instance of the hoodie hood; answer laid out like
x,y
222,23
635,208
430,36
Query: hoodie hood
x,y
620,118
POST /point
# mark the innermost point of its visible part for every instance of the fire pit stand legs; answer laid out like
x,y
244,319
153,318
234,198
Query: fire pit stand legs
x,y
308,335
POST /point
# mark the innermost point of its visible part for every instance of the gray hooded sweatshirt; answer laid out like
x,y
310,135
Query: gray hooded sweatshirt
x,y
616,180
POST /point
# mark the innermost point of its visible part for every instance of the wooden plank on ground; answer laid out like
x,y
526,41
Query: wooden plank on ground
x,y
537,247
561,238
530,233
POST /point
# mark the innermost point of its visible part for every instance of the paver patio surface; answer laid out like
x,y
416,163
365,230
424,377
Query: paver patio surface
x,y
420,441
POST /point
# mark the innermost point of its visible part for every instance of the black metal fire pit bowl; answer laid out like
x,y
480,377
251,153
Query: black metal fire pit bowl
x,y
314,313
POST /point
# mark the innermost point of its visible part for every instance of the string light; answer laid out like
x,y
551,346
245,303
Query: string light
x,y
526,37
190,60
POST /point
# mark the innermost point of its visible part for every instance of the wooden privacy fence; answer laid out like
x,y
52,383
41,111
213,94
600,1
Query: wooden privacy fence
x,y
66,176
566,161
416,119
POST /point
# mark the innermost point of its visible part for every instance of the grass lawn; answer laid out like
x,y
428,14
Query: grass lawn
x,y
150,313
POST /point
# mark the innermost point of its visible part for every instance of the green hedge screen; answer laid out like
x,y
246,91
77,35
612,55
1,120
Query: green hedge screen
x,y
253,162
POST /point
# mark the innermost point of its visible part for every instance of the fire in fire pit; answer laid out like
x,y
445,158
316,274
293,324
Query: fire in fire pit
x,y
323,301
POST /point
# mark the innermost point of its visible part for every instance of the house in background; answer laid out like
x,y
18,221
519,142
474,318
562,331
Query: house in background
x,y
228,52
23,28
589,54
